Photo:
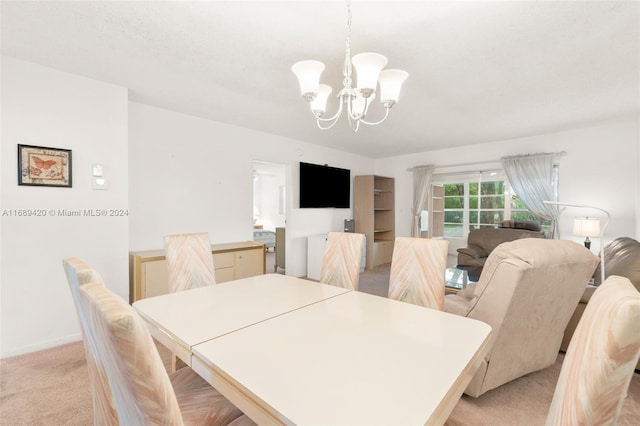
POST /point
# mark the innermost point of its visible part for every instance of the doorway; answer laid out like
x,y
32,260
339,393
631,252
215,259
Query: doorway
x,y
269,210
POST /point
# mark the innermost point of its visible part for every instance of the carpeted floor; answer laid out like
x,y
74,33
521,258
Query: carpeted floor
x,y
51,387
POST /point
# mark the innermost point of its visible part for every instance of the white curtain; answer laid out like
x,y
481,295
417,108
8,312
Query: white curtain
x,y
534,178
421,190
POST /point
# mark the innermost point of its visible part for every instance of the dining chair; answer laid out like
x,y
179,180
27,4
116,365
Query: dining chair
x,y
600,359
418,271
78,274
189,261
341,262
143,392
189,265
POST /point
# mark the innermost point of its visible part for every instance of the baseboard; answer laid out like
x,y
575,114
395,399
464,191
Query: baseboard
x,y
41,345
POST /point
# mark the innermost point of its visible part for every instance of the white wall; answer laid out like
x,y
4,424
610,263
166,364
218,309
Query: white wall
x,y
600,168
44,107
188,174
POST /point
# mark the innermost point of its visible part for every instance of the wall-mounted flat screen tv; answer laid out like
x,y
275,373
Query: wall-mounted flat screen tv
x,y
323,186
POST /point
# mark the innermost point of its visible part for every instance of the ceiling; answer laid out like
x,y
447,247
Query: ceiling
x,y
479,71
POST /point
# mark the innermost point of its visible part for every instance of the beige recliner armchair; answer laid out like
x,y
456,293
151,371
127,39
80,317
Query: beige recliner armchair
x,y
527,292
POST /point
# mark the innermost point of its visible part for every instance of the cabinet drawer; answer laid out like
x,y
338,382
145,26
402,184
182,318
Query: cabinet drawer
x,y
224,275
223,260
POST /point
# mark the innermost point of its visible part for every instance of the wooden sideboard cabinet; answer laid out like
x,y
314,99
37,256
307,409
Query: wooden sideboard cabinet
x,y
232,261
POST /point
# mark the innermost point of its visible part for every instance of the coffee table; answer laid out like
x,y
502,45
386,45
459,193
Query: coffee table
x,y
456,279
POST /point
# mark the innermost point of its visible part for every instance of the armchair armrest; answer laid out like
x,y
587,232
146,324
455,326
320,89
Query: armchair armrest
x,y
473,252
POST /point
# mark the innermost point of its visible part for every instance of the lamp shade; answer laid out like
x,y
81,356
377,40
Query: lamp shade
x,y
368,67
390,84
586,227
319,104
308,73
360,103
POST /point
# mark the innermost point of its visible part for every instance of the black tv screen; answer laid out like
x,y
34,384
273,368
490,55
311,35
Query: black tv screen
x,y
324,186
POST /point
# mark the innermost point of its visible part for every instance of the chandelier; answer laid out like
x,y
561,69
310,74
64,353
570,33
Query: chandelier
x,y
356,101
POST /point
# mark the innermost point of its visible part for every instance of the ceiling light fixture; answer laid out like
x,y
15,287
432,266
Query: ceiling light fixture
x,y
356,101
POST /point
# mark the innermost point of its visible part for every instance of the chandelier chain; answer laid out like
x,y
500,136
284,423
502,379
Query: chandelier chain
x,y
347,69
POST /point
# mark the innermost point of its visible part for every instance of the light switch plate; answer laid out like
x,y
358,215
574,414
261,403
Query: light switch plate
x,y
99,183
97,170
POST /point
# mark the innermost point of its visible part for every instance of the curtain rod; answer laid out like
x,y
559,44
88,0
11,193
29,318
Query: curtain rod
x,y
410,169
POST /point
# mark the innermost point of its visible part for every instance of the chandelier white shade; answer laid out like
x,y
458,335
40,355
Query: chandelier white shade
x,y
308,73
354,101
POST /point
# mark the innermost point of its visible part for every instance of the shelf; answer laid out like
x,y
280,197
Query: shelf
x,y
381,240
374,207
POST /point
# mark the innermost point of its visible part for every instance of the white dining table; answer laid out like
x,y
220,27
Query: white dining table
x,y
339,358
182,320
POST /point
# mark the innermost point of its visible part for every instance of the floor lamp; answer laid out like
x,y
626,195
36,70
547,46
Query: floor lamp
x,y
557,203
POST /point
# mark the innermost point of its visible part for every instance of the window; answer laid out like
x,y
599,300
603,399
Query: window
x,y
454,211
473,201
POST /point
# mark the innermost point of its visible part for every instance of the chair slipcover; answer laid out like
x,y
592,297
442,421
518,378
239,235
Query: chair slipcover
x,y
189,265
142,390
341,262
78,274
189,261
527,292
601,357
417,271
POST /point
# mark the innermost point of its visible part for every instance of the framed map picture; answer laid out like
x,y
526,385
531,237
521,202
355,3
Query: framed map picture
x,y
42,166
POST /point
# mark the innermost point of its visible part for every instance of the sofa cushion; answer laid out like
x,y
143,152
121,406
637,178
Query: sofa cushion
x,y
521,224
489,238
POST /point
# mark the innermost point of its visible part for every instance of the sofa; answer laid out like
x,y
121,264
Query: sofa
x,y
527,293
622,258
481,242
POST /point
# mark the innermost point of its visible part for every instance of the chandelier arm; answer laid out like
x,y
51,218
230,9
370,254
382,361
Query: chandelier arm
x,y
318,122
375,123
354,127
350,112
335,116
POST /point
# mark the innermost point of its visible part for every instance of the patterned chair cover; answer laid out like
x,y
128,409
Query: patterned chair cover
x,y
78,274
189,261
601,358
142,390
341,262
417,271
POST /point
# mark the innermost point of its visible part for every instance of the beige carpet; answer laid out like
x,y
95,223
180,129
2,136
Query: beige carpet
x,y
51,387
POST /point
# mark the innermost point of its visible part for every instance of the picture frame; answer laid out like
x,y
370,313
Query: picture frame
x,y
44,166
